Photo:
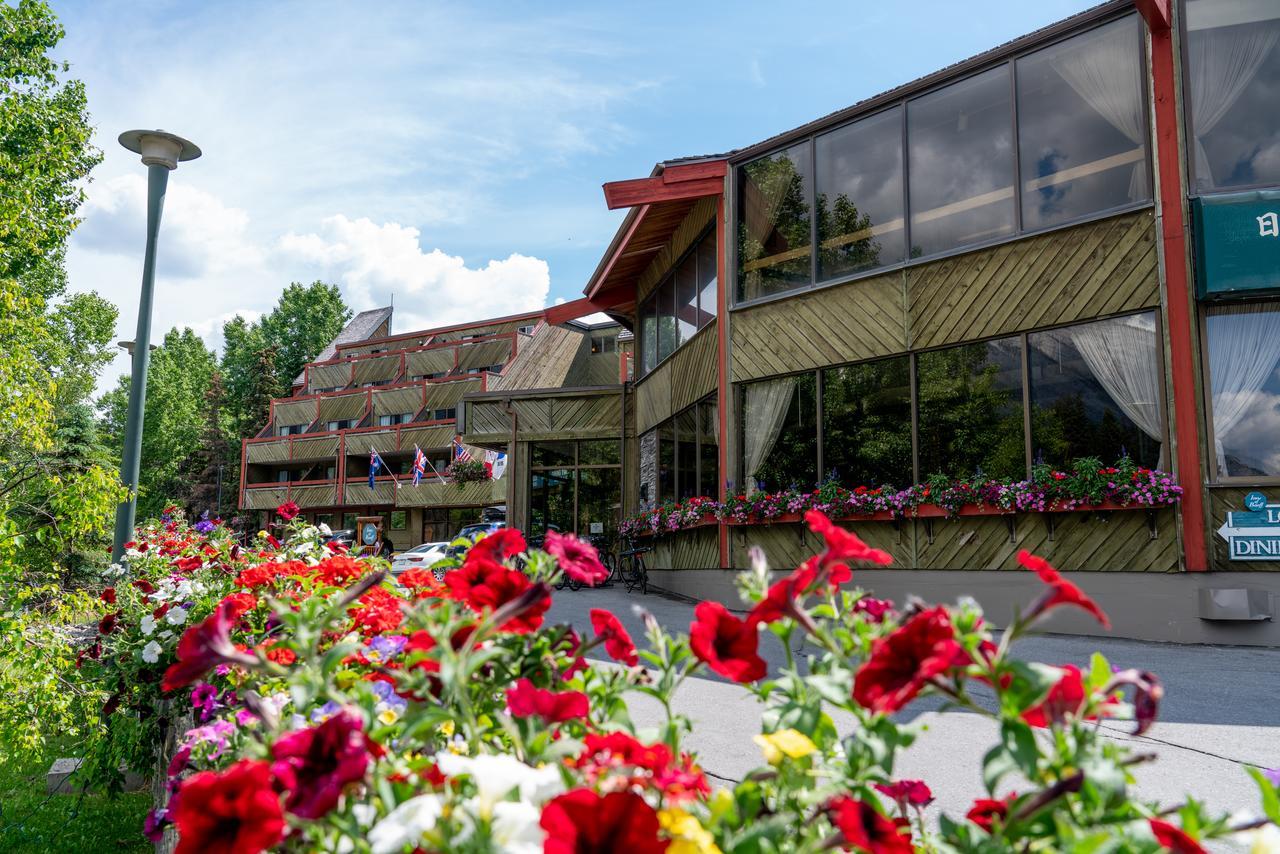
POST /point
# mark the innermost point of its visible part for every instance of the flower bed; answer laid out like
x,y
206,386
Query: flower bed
x,y
338,709
1088,486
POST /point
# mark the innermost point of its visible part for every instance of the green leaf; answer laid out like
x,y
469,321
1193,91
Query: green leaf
x,y
1268,791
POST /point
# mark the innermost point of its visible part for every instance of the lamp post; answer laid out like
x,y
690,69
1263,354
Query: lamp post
x,y
161,152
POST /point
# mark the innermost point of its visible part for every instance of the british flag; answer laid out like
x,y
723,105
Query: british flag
x,y
419,464
460,454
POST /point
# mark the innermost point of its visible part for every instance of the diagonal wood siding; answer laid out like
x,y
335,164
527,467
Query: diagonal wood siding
x,y
542,361
845,323
1064,276
697,548
695,222
686,377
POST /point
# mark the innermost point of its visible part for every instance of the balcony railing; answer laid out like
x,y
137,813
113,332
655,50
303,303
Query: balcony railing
x,y
355,492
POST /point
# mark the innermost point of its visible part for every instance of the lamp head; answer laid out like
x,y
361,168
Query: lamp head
x,y
159,148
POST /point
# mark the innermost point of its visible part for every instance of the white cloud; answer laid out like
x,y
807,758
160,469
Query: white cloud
x,y
432,288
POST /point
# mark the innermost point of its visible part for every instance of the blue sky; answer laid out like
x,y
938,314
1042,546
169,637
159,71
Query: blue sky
x,y
451,154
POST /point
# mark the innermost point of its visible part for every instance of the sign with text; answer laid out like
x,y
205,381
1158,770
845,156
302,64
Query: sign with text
x,y
1254,533
1237,240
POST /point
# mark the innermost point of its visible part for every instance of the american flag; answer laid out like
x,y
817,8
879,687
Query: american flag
x,y
460,454
419,464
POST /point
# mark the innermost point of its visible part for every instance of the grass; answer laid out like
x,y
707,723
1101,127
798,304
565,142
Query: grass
x,y
33,821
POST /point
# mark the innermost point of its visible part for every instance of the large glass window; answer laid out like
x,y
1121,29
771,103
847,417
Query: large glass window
x,y
780,433
866,423
680,305
1232,88
667,462
970,410
1244,378
960,156
684,454
708,449
551,500
1081,127
859,196
774,195
575,486
1095,391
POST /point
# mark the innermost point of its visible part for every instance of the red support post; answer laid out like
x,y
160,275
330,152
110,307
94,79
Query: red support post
x,y
722,367
1180,316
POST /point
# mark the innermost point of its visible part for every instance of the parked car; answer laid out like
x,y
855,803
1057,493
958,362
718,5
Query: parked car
x,y
418,557
473,532
345,536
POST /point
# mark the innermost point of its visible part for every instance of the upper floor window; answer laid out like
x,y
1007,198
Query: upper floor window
x,y
679,306
443,414
394,419
1232,81
971,176
344,424
604,343
290,429
526,330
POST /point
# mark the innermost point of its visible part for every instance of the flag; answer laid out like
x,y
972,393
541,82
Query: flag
x,y
419,464
375,463
460,454
497,463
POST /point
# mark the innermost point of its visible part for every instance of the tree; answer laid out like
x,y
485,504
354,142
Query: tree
x,y
203,472
305,319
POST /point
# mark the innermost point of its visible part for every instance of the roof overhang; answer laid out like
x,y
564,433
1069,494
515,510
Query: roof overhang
x,y
674,183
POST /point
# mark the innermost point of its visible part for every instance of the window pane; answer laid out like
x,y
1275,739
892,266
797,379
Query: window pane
x,y
551,500
779,433
599,452
1244,374
866,423
686,454
1082,126
970,405
649,337
666,463
599,500
1233,81
686,285
668,336
960,150
707,279
860,196
773,223
709,451
1095,392
552,454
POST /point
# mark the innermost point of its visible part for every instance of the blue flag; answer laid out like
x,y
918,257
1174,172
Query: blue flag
x,y
375,463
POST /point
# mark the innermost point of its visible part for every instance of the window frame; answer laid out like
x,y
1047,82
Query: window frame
x,y
668,280
705,400
1010,59
739,390
575,466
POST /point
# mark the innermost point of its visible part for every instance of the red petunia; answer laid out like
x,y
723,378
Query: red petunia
x,y
901,664
339,570
108,596
913,792
188,564
288,511
1064,698
617,641
281,655
498,546
526,700
229,812
843,545
266,573
1060,592
985,811
240,604
583,822
866,829
727,645
203,647
313,765
108,624
378,612
577,559
144,586
485,585
1174,838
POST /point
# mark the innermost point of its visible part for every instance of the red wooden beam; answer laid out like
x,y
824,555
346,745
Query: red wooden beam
x,y
722,371
1156,13
618,248
647,191
1180,317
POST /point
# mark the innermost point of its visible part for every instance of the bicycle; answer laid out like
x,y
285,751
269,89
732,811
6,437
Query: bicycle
x,y
631,568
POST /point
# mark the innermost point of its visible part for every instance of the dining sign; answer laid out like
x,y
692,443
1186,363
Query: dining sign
x,y
1254,533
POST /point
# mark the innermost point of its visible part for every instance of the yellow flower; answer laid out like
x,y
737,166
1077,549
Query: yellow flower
x,y
447,728
687,836
785,742
388,715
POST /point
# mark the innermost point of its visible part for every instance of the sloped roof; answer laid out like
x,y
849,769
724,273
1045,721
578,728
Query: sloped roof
x,y
359,328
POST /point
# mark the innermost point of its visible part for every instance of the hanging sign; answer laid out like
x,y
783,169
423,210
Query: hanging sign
x,y
1237,243
1253,534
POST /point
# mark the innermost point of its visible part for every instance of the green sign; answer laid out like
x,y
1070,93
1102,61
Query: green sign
x,y
1254,533
1237,240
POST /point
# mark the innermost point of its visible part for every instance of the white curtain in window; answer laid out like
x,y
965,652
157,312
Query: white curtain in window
x,y
1102,67
1223,61
1121,354
764,411
1244,348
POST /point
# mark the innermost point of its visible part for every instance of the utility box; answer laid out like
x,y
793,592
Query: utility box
x,y
1234,603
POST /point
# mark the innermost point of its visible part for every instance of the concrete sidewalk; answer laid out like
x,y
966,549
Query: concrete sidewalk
x,y
1220,712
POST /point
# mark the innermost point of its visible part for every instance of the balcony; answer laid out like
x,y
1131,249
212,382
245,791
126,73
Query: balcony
x,y
304,493
283,449
435,493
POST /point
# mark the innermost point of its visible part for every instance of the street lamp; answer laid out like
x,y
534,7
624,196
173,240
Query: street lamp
x,y
161,152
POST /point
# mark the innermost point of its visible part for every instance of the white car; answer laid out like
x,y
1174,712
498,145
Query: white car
x,y
418,557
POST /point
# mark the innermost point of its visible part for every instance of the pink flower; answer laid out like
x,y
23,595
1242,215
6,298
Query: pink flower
x,y
313,765
579,560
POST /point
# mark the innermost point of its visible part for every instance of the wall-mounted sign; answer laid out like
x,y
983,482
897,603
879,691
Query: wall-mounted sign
x,y
1237,241
1254,533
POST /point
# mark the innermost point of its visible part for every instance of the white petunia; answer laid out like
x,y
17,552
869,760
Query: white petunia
x,y
176,616
326,530
496,776
405,824
151,652
1264,840
516,828
165,635
148,624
